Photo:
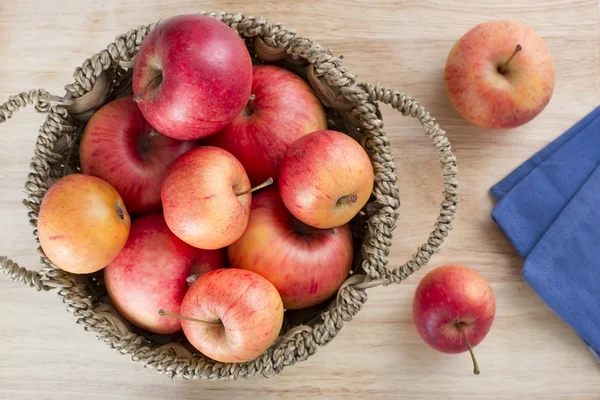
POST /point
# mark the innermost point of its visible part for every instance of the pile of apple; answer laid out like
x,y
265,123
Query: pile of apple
x,y
213,199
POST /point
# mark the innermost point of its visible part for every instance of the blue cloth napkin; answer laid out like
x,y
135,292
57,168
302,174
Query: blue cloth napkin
x,y
549,209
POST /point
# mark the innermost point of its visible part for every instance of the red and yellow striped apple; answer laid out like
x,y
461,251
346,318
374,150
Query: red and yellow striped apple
x,y
206,198
453,309
231,315
499,75
326,177
305,264
283,107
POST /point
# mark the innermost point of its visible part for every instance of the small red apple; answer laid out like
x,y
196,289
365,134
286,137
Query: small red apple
x,y
231,315
82,224
192,76
325,179
499,75
119,146
454,309
206,198
306,265
283,107
151,273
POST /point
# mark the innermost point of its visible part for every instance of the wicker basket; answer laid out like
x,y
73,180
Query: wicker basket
x,y
351,108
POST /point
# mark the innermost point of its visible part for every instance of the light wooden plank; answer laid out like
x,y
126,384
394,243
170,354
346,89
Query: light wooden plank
x,y
529,353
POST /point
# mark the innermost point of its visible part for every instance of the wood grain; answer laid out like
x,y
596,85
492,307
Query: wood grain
x,y
529,353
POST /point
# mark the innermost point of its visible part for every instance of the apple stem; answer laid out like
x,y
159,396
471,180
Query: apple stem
x,y
257,187
250,106
517,49
164,313
348,199
475,364
138,98
191,279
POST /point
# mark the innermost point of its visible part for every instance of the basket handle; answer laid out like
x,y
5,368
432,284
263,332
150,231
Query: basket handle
x,y
39,98
42,101
443,224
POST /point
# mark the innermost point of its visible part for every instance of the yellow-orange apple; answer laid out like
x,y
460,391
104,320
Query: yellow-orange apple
x,y
82,224
499,75
152,271
282,108
206,198
305,264
326,177
453,309
192,76
231,315
119,146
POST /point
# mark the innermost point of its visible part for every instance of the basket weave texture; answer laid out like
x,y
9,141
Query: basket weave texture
x,y
351,108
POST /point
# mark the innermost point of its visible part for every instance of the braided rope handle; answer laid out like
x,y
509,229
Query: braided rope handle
x,y
39,98
407,106
42,101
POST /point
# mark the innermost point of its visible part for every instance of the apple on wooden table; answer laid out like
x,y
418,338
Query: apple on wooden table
x,y
82,224
192,76
119,146
326,177
499,75
230,315
152,272
282,108
453,309
305,264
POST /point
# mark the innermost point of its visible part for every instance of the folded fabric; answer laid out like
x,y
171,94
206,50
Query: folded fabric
x,y
542,186
506,184
564,267
547,208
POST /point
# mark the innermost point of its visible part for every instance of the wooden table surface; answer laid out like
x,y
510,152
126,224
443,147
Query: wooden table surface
x,y
529,353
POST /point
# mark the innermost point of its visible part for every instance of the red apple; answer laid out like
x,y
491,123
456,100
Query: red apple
x,y
149,274
231,315
305,264
282,108
206,198
82,224
499,75
454,309
119,146
192,76
326,177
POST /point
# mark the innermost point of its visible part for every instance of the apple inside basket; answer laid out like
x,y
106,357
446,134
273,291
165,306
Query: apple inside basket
x,y
218,210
